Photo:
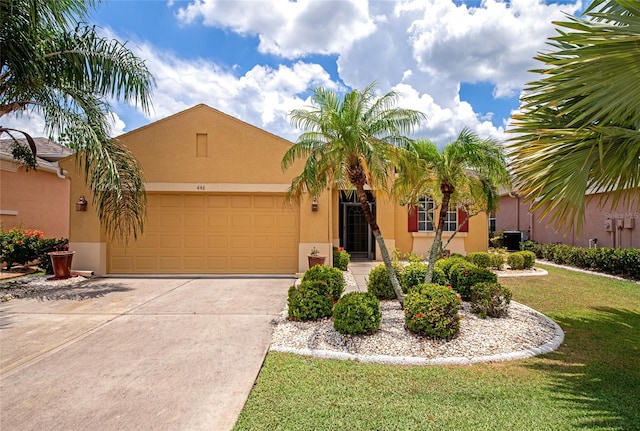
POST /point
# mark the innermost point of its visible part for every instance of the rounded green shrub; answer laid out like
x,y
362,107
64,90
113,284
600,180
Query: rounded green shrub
x,y
516,260
341,259
357,313
463,276
497,260
446,264
331,276
379,283
432,310
529,258
480,258
490,300
311,300
412,275
439,277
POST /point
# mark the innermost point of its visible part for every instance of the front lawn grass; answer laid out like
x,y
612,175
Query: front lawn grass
x,y
592,382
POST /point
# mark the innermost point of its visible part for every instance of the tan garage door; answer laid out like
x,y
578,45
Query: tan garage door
x,y
212,234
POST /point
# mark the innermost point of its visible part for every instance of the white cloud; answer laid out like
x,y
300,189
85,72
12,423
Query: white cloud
x,y
29,122
285,28
263,96
495,42
425,48
443,124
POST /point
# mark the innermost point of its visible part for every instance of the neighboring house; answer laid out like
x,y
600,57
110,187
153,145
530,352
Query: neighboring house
x,y
36,199
216,204
604,225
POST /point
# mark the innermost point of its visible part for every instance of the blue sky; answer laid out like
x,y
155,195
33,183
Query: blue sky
x,y
462,63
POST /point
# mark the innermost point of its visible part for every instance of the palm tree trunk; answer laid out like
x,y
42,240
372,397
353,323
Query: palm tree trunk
x,y
436,247
386,257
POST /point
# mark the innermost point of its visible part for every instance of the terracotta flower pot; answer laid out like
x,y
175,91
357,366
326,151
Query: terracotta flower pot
x,y
316,260
61,261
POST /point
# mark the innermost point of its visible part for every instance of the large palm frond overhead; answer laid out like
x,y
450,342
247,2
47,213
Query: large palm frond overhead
x,y
53,64
578,130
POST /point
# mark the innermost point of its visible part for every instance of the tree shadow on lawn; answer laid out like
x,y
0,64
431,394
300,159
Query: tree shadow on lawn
x,y
595,375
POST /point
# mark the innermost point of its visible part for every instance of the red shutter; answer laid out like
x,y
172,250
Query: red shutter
x,y
413,219
462,216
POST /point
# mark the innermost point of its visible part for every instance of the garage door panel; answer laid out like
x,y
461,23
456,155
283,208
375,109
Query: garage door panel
x,y
218,241
170,221
147,241
193,241
241,202
194,262
264,241
171,201
212,233
145,263
170,242
194,201
194,221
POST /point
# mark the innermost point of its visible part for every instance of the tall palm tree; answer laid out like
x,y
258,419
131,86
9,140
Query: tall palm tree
x,y
53,64
466,172
578,130
350,143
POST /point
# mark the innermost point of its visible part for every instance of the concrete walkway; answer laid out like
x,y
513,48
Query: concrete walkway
x,y
144,354
360,272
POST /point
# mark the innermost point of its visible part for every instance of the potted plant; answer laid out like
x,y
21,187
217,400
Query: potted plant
x,y
315,258
61,259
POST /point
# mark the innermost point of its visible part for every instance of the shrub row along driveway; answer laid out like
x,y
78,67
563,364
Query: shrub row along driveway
x,y
120,354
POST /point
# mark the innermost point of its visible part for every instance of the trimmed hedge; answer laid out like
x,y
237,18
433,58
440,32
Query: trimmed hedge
x,y
379,283
490,300
311,300
480,258
446,264
515,261
357,313
412,275
465,275
332,276
341,259
432,310
623,262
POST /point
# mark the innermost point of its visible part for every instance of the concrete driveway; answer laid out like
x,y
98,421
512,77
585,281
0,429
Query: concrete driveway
x,y
144,354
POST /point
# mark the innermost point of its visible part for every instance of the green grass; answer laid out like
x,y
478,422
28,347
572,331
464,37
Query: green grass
x,y
591,383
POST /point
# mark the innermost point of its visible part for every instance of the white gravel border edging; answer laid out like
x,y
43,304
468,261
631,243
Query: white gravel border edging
x,y
545,348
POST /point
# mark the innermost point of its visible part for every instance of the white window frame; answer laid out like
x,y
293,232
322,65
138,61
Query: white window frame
x,y
451,219
426,213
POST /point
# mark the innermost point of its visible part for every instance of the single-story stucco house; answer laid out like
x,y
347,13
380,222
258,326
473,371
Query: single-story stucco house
x,y
216,204
35,199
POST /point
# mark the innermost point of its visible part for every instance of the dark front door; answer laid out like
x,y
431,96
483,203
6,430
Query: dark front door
x,y
355,233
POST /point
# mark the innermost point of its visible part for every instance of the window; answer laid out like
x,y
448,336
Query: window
x,y
492,223
451,220
426,208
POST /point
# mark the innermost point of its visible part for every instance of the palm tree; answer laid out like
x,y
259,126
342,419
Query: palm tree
x,y
350,143
578,127
53,64
467,173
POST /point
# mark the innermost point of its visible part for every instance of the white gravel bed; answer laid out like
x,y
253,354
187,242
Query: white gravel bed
x,y
39,286
522,333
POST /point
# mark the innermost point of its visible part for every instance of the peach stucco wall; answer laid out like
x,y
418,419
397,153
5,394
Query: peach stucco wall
x,y
204,150
39,199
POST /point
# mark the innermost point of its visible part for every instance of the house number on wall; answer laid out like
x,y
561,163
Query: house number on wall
x,y
200,187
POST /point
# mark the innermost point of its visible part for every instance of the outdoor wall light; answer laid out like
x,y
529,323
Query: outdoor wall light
x,y
81,205
314,205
